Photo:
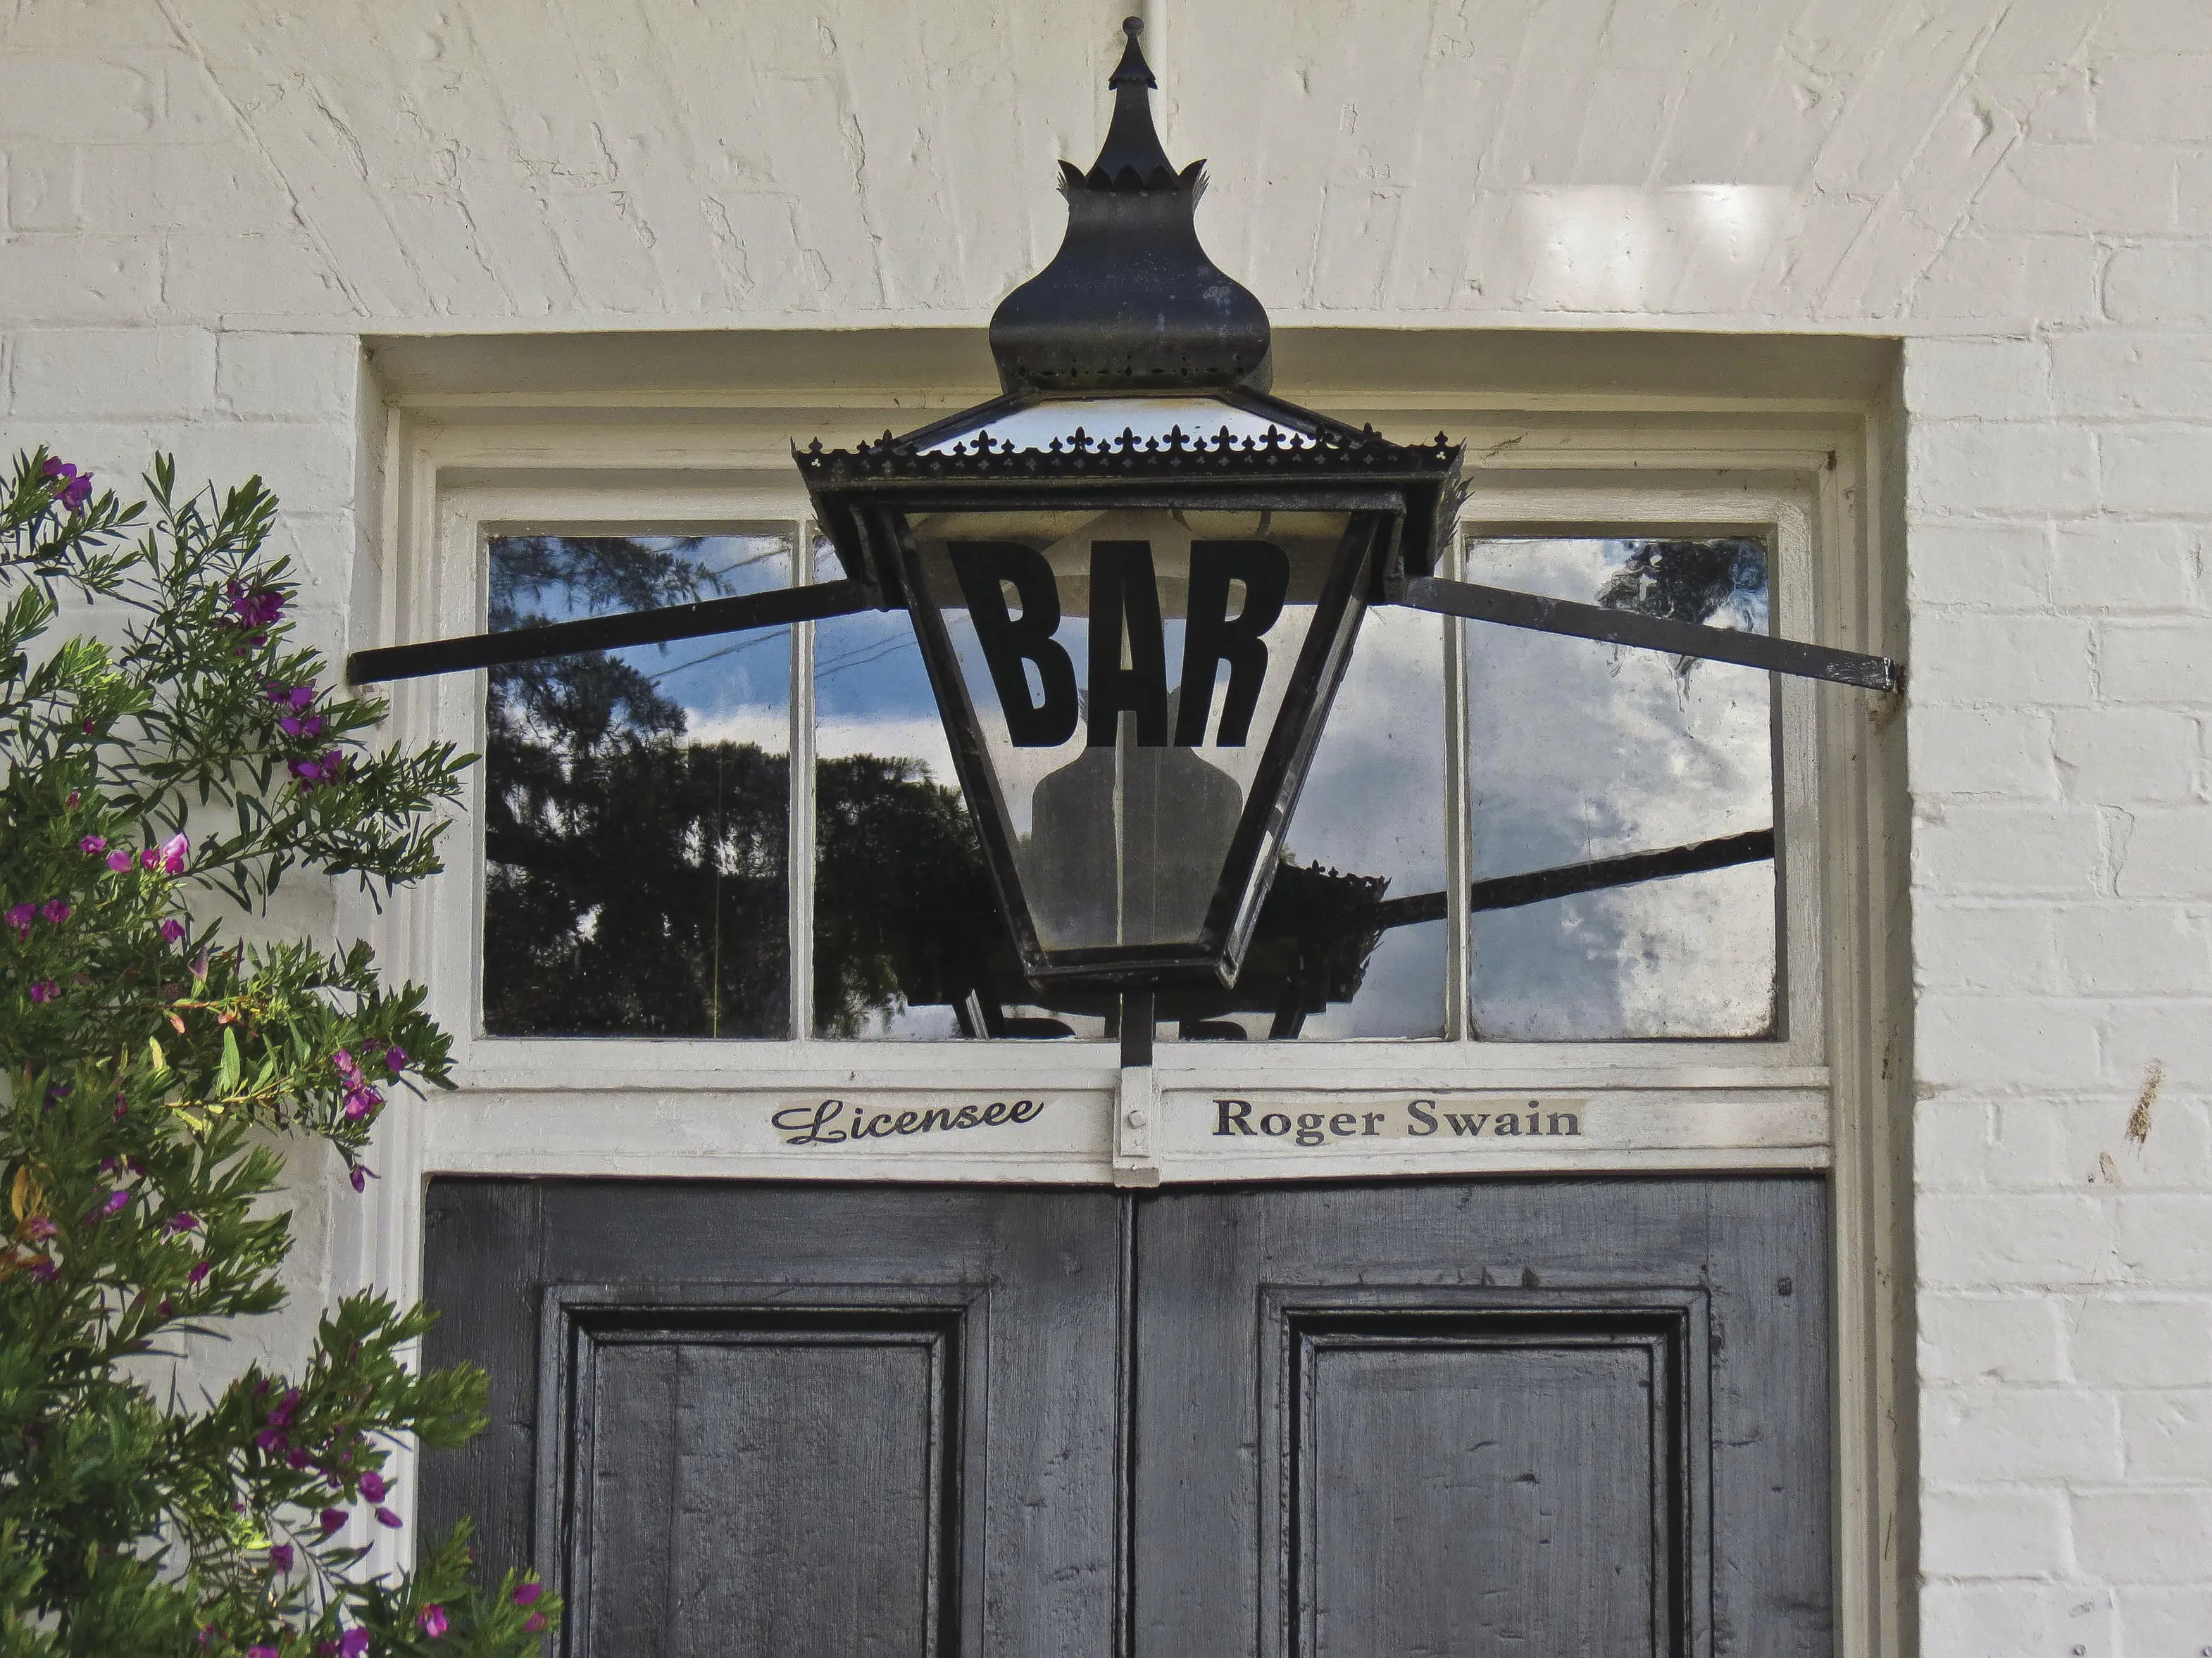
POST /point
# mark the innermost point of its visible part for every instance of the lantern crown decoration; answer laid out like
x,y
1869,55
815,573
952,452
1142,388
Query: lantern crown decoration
x,y
1132,157
1131,301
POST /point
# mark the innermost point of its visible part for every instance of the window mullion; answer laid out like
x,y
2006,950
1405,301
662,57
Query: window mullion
x,y
801,855
1459,854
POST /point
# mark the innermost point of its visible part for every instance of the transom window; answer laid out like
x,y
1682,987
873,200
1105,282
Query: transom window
x,y
1507,837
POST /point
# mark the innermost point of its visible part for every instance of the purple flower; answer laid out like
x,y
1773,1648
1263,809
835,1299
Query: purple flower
x,y
261,1652
348,1067
119,860
525,1593
77,487
281,1412
328,768
372,1486
281,1557
253,609
171,931
386,1517
333,1519
395,1060
44,1270
272,1441
433,1620
39,1229
361,1101
147,858
55,910
45,991
183,1221
361,1174
197,1275
20,917
532,1624
353,1644
92,843
175,851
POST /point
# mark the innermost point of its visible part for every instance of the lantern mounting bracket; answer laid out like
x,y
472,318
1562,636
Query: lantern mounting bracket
x,y
1650,632
818,601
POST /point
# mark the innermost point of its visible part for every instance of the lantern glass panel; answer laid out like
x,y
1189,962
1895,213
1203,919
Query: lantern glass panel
x,y
1579,752
1127,669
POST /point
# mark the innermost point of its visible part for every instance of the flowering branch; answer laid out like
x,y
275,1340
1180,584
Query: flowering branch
x,y
144,1058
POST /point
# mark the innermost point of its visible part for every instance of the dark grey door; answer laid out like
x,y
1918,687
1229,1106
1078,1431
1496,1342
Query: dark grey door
x,y
805,1421
1527,1417
1449,1418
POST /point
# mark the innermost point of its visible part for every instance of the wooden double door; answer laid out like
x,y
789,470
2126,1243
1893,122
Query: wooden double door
x,y
1405,1420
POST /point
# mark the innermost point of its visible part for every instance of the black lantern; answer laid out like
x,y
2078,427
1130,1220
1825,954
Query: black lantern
x,y
1136,577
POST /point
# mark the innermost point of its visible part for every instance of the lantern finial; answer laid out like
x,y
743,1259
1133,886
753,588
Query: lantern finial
x,y
1132,154
1131,301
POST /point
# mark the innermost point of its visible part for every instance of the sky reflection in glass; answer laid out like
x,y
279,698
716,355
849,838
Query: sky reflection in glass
x,y
1578,751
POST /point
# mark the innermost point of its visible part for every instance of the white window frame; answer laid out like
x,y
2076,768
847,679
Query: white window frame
x,y
1804,468
1774,1091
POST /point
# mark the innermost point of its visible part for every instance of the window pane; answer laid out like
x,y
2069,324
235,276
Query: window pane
x,y
1580,752
1331,957
909,940
637,815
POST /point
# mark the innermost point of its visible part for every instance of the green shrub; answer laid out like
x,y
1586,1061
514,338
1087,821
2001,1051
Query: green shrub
x,y
150,1064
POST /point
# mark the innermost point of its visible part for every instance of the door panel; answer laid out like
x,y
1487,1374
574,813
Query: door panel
x,y
1483,1418
800,1420
774,1482
1459,1476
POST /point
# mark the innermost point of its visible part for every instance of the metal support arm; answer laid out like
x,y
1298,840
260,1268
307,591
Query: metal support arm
x,y
776,608
1561,616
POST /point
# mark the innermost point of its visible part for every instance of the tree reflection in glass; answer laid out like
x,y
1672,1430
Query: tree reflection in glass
x,y
908,940
637,802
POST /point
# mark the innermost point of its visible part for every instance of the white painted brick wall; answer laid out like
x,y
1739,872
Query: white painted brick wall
x,y
206,203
